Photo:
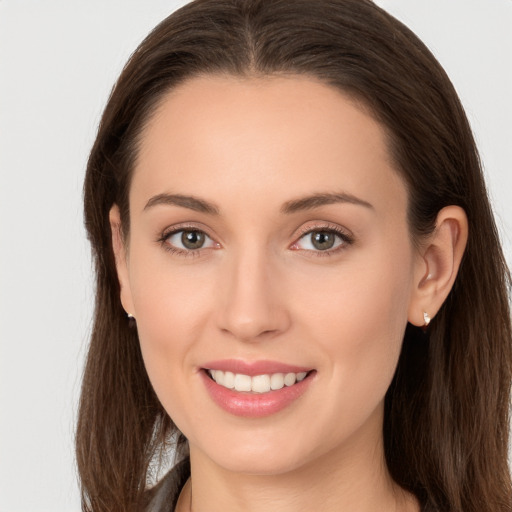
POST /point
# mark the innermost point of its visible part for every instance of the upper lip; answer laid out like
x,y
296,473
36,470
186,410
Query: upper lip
x,y
253,368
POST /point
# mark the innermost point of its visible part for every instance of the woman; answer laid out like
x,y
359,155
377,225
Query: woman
x,y
300,287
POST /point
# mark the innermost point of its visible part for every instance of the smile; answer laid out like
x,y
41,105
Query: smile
x,y
257,383
255,390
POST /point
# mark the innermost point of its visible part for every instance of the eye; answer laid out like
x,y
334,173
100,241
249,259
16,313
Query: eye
x,y
186,240
322,240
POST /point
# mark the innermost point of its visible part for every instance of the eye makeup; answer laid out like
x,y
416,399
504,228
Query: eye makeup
x,y
192,239
325,239
332,237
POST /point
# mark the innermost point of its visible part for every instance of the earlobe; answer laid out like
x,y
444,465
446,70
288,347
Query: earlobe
x,y
438,264
120,254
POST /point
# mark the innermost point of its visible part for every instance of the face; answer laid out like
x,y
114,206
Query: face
x,y
268,250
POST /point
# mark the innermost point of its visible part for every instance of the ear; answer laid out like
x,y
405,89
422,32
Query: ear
x,y
438,263
121,257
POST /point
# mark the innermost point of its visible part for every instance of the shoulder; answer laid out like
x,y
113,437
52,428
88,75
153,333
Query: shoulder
x,y
164,496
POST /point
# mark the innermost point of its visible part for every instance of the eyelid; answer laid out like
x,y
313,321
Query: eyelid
x,y
345,235
177,228
184,226
323,225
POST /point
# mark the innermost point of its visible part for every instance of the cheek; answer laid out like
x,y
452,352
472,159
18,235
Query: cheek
x,y
358,318
366,294
171,311
357,326
169,299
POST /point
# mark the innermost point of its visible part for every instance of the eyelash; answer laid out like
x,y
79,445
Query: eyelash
x,y
346,240
193,253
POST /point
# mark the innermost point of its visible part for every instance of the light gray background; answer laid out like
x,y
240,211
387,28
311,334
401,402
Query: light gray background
x,y
58,61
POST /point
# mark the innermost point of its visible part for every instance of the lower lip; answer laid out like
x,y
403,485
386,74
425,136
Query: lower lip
x,y
254,405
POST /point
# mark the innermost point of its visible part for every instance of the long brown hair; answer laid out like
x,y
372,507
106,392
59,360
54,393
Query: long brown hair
x,y
447,410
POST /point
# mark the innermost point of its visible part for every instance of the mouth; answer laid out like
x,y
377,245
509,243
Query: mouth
x,y
245,390
263,383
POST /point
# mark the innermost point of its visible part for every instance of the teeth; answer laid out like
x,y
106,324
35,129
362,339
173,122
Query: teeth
x,y
229,380
290,379
277,381
242,382
258,383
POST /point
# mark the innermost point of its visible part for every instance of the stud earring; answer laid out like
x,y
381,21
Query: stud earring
x,y
426,320
131,320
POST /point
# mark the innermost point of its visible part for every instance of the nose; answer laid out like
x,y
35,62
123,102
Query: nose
x,y
251,306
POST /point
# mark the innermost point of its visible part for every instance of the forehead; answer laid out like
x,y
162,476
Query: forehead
x,y
274,136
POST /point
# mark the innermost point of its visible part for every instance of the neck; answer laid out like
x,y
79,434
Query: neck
x,y
353,478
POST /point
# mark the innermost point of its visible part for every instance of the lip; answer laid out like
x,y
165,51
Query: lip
x,y
253,368
255,405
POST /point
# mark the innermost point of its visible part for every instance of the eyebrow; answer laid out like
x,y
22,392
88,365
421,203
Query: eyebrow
x,y
295,205
190,202
322,199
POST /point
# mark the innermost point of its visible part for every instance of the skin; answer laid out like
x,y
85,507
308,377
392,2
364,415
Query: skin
x,y
259,289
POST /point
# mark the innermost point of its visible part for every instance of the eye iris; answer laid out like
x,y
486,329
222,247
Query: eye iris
x,y
322,240
192,239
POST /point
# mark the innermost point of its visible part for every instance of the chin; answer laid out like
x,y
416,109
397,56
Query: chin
x,y
258,455
259,465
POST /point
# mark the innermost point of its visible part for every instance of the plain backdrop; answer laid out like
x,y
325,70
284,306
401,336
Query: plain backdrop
x,y
58,61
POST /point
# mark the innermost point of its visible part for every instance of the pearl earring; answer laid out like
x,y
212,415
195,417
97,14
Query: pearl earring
x,y
131,320
426,320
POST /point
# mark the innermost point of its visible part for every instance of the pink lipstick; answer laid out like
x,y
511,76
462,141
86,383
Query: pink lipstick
x,y
255,389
